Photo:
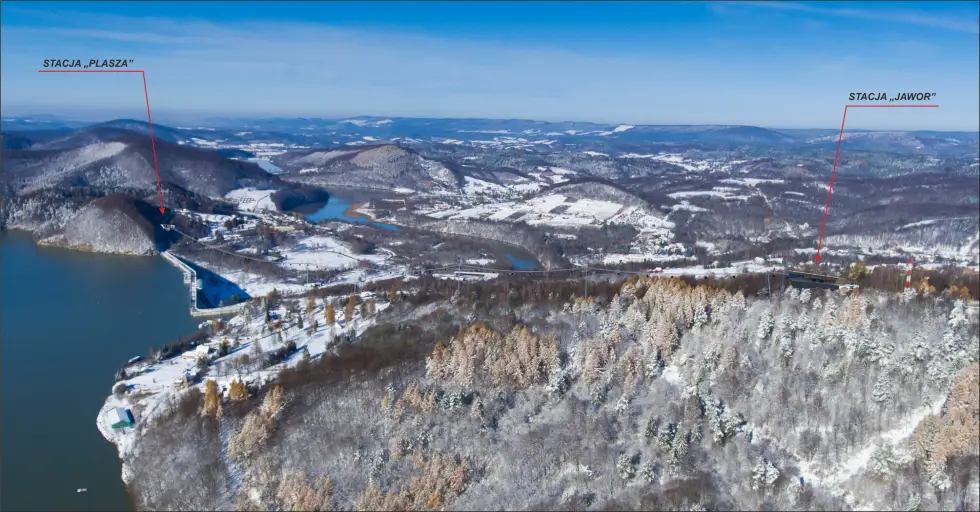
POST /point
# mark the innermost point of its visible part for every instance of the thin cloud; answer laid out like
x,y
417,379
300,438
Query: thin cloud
x,y
895,16
305,68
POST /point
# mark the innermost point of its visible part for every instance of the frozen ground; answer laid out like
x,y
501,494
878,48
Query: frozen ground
x,y
325,252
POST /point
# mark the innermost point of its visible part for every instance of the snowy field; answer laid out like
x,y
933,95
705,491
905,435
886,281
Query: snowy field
x,y
678,160
541,211
252,200
325,252
725,193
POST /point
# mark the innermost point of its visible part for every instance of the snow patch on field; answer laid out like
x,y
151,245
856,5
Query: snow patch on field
x,y
720,192
205,143
750,181
678,160
527,187
324,252
545,204
252,200
600,210
474,186
684,205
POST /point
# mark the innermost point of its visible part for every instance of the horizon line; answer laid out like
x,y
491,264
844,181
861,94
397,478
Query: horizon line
x,y
267,117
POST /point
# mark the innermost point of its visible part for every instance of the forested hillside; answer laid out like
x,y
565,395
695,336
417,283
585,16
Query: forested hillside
x,y
655,395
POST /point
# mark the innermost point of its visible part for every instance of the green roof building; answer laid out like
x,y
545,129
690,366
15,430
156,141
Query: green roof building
x,y
120,418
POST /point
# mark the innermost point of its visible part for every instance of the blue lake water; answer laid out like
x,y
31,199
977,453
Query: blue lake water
x,y
69,319
519,264
335,208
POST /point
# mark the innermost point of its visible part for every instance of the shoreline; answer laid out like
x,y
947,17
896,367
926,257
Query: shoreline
x,y
156,306
190,276
53,242
154,384
353,212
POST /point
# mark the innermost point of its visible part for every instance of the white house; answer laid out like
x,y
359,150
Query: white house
x,y
199,351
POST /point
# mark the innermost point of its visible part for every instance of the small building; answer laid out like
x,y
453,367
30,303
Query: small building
x,y
120,418
183,382
198,352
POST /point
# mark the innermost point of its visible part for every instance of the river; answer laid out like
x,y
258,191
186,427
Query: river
x,y
337,207
67,321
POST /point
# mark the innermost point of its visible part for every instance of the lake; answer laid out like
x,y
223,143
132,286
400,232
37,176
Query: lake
x,y
69,319
336,208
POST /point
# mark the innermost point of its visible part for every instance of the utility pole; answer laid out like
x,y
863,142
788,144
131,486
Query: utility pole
x,y
585,282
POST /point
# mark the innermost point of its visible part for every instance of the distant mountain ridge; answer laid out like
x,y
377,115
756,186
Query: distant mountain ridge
x,y
392,128
384,166
112,158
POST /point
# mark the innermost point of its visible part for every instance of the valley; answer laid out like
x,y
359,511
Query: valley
x,y
565,194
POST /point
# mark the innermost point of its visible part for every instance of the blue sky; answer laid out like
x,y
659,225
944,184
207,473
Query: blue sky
x,y
774,64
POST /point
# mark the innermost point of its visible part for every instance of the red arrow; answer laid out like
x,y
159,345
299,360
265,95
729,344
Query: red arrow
x,y
830,189
148,119
153,144
833,172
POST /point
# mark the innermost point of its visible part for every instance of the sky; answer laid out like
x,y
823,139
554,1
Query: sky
x,y
771,64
